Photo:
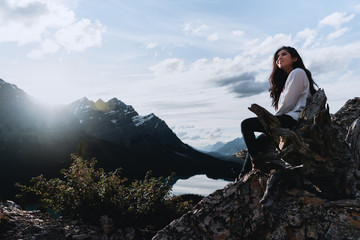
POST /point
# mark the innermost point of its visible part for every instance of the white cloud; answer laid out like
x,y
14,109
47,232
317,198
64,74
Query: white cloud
x,y
337,33
357,8
189,29
181,134
46,46
49,24
270,44
151,45
336,19
214,133
213,37
331,59
237,33
80,35
308,35
168,66
195,137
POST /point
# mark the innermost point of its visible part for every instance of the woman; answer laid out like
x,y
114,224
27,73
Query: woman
x,y
290,85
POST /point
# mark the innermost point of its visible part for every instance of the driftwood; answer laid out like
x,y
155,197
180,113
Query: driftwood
x,y
315,159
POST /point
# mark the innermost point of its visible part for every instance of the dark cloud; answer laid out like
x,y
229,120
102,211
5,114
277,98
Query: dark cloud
x,y
236,79
195,137
26,12
244,85
214,133
249,88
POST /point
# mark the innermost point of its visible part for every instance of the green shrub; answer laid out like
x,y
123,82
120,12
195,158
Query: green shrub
x,y
85,193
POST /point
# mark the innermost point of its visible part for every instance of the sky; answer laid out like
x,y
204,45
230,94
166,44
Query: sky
x,y
196,64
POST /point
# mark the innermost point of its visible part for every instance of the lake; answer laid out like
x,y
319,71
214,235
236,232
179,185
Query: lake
x,y
198,184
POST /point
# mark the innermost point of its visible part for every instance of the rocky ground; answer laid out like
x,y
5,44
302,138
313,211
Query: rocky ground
x,y
235,213
16,223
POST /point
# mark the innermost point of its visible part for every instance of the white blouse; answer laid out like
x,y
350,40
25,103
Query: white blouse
x,y
293,97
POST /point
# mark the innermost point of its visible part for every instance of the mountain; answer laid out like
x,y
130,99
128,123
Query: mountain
x,y
232,147
36,139
118,123
213,147
226,149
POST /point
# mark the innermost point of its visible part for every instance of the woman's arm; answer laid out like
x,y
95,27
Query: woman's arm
x,y
295,85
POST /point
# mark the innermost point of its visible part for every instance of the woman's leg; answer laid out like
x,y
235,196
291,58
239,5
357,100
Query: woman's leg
x,y
286,121
261,140
246,167
251,125
248,128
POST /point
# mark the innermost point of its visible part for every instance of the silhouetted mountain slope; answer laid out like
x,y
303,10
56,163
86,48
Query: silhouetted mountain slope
x,y
226,149
213,147
232,147
35,139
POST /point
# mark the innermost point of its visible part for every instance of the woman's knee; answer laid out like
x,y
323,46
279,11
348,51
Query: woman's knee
x,y
248,123
245,123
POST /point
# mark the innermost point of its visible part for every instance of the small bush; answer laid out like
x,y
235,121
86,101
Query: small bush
x,y
85,193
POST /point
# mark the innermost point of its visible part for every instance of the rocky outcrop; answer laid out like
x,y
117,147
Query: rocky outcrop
x,y
315,197
16,223
235,213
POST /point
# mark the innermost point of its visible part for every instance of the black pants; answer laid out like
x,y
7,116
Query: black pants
x,y
248,128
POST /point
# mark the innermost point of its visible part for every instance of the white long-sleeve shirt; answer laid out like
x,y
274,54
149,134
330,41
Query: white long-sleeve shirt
x,y
293,97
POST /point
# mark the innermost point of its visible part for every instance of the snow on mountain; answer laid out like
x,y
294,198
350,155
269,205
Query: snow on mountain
x,y
113,120
114,111
36,140
141,120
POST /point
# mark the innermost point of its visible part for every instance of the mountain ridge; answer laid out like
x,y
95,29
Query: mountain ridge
x,y
37,140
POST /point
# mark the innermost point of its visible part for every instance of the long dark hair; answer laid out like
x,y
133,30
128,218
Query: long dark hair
x,y
278,76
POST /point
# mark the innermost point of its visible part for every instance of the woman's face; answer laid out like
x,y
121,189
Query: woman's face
x,y
285,61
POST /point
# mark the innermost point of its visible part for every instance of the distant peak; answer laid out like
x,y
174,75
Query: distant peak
x,y
103,106
100,105
9,84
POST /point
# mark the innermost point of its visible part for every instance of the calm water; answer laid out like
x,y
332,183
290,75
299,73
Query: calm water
x,y
198,184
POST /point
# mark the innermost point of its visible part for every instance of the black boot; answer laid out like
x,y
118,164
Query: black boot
x,y
246,166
